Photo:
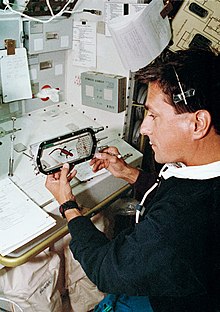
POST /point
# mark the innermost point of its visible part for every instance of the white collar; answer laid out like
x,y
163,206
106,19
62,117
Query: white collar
x,y
179,170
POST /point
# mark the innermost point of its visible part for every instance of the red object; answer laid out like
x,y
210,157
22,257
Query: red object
x,y
45,87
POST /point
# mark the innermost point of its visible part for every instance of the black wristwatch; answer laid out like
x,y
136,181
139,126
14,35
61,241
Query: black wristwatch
x,y
70,204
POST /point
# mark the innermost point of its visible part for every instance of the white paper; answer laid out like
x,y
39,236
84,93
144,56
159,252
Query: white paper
x,y
141,37
34,188
117,9
112,10
15,78
85,173
84,44
21,219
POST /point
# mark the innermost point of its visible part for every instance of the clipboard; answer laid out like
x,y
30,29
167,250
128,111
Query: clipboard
x,y
15,78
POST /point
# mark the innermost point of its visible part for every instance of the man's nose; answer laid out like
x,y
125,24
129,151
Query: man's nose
x,y
146,128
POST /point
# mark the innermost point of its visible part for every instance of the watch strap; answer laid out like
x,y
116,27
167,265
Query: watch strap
x,y
70,204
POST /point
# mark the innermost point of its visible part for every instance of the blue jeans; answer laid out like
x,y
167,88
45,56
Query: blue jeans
x,y
123,303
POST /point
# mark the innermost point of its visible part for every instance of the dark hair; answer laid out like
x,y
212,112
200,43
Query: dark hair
x,y
197,69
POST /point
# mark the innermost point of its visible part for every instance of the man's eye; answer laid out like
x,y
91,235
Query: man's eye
x,y
151,115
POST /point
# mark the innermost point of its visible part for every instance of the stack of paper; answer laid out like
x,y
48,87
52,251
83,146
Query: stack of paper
x,y
141,37
21,219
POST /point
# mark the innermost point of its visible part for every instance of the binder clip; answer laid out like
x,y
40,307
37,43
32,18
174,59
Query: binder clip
x,y
10,46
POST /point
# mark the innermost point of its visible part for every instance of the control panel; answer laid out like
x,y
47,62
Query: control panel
x,y
197,24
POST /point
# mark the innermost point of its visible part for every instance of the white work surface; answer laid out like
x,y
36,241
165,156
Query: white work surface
x,y
49,123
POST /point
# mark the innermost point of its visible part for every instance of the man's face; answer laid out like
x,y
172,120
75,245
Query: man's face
x,y
170,134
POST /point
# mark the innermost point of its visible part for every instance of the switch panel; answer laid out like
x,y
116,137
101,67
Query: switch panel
x,y
197,24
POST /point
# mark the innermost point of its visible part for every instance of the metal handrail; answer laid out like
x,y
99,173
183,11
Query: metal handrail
x,y
9,261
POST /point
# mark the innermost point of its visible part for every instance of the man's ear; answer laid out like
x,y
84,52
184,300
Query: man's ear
x,y
202,123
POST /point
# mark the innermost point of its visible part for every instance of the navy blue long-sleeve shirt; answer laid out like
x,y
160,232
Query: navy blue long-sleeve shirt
x,y
172,255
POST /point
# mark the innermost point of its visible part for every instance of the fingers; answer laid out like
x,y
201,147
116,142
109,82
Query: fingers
x,y
52,177
50,181
64,173
56,175
112,150
107,157
71,175
98,166
103,155
49,178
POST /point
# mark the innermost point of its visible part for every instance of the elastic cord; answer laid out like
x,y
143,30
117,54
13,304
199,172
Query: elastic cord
x,y
139,207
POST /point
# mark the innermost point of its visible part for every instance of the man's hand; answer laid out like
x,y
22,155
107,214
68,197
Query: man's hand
x,y
59,184
111,160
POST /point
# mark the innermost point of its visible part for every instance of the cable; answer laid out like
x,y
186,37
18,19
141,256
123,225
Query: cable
x,y
44,21
49,6
8,6
92,11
